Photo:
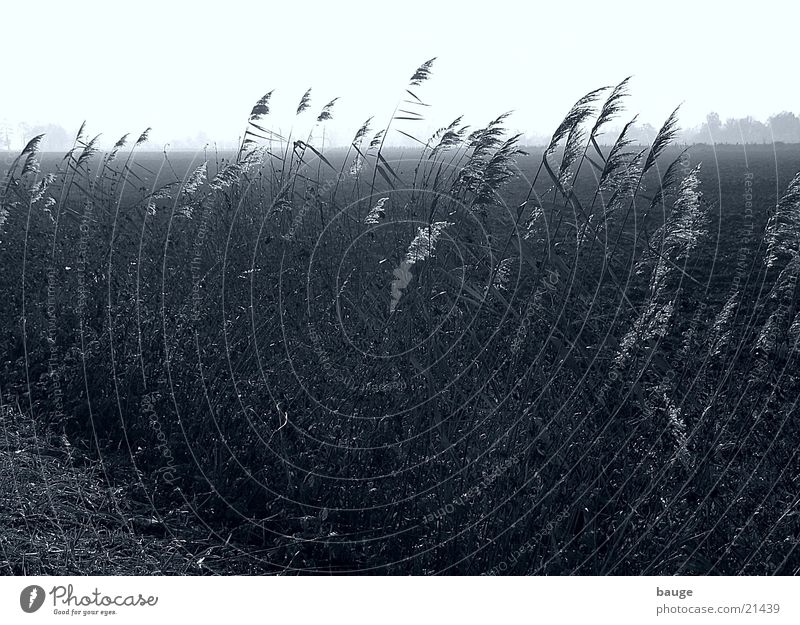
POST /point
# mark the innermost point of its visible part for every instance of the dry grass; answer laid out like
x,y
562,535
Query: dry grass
x,y
60,516
250,327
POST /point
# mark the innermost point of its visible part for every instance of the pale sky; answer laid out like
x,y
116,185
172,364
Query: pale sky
x,y
191,67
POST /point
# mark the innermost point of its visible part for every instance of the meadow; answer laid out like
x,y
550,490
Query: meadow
x,y
465,357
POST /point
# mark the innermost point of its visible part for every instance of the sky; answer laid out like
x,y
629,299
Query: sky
x,y
192,70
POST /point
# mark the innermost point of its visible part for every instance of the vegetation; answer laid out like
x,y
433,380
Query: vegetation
x,y
466,360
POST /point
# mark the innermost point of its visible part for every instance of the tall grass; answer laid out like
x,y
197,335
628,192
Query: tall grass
x,y
247,335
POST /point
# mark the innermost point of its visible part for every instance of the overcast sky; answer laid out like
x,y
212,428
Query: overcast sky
x,y
195,67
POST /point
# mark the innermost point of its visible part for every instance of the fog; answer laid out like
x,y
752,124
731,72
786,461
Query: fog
x,y
192,71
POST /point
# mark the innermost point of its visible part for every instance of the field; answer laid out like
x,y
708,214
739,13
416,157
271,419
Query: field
x,y
464,357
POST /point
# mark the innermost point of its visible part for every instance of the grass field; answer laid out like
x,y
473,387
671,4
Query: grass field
x,y
462,357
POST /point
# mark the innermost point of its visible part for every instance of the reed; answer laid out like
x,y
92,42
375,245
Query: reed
x,y
314,350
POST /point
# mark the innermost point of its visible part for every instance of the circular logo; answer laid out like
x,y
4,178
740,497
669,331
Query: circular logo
x,y
31,598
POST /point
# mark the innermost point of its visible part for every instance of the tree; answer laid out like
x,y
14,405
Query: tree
x,y
753,131
643,134
5,134
56,138
785,126
714,124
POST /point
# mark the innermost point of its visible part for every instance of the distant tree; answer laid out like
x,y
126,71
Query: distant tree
x,y
643,133
56,138
753,131
729,133
743,130
197,142
785,126
714,124
5,134
24,130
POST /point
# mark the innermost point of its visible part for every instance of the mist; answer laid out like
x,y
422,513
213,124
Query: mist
x,y
192,72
